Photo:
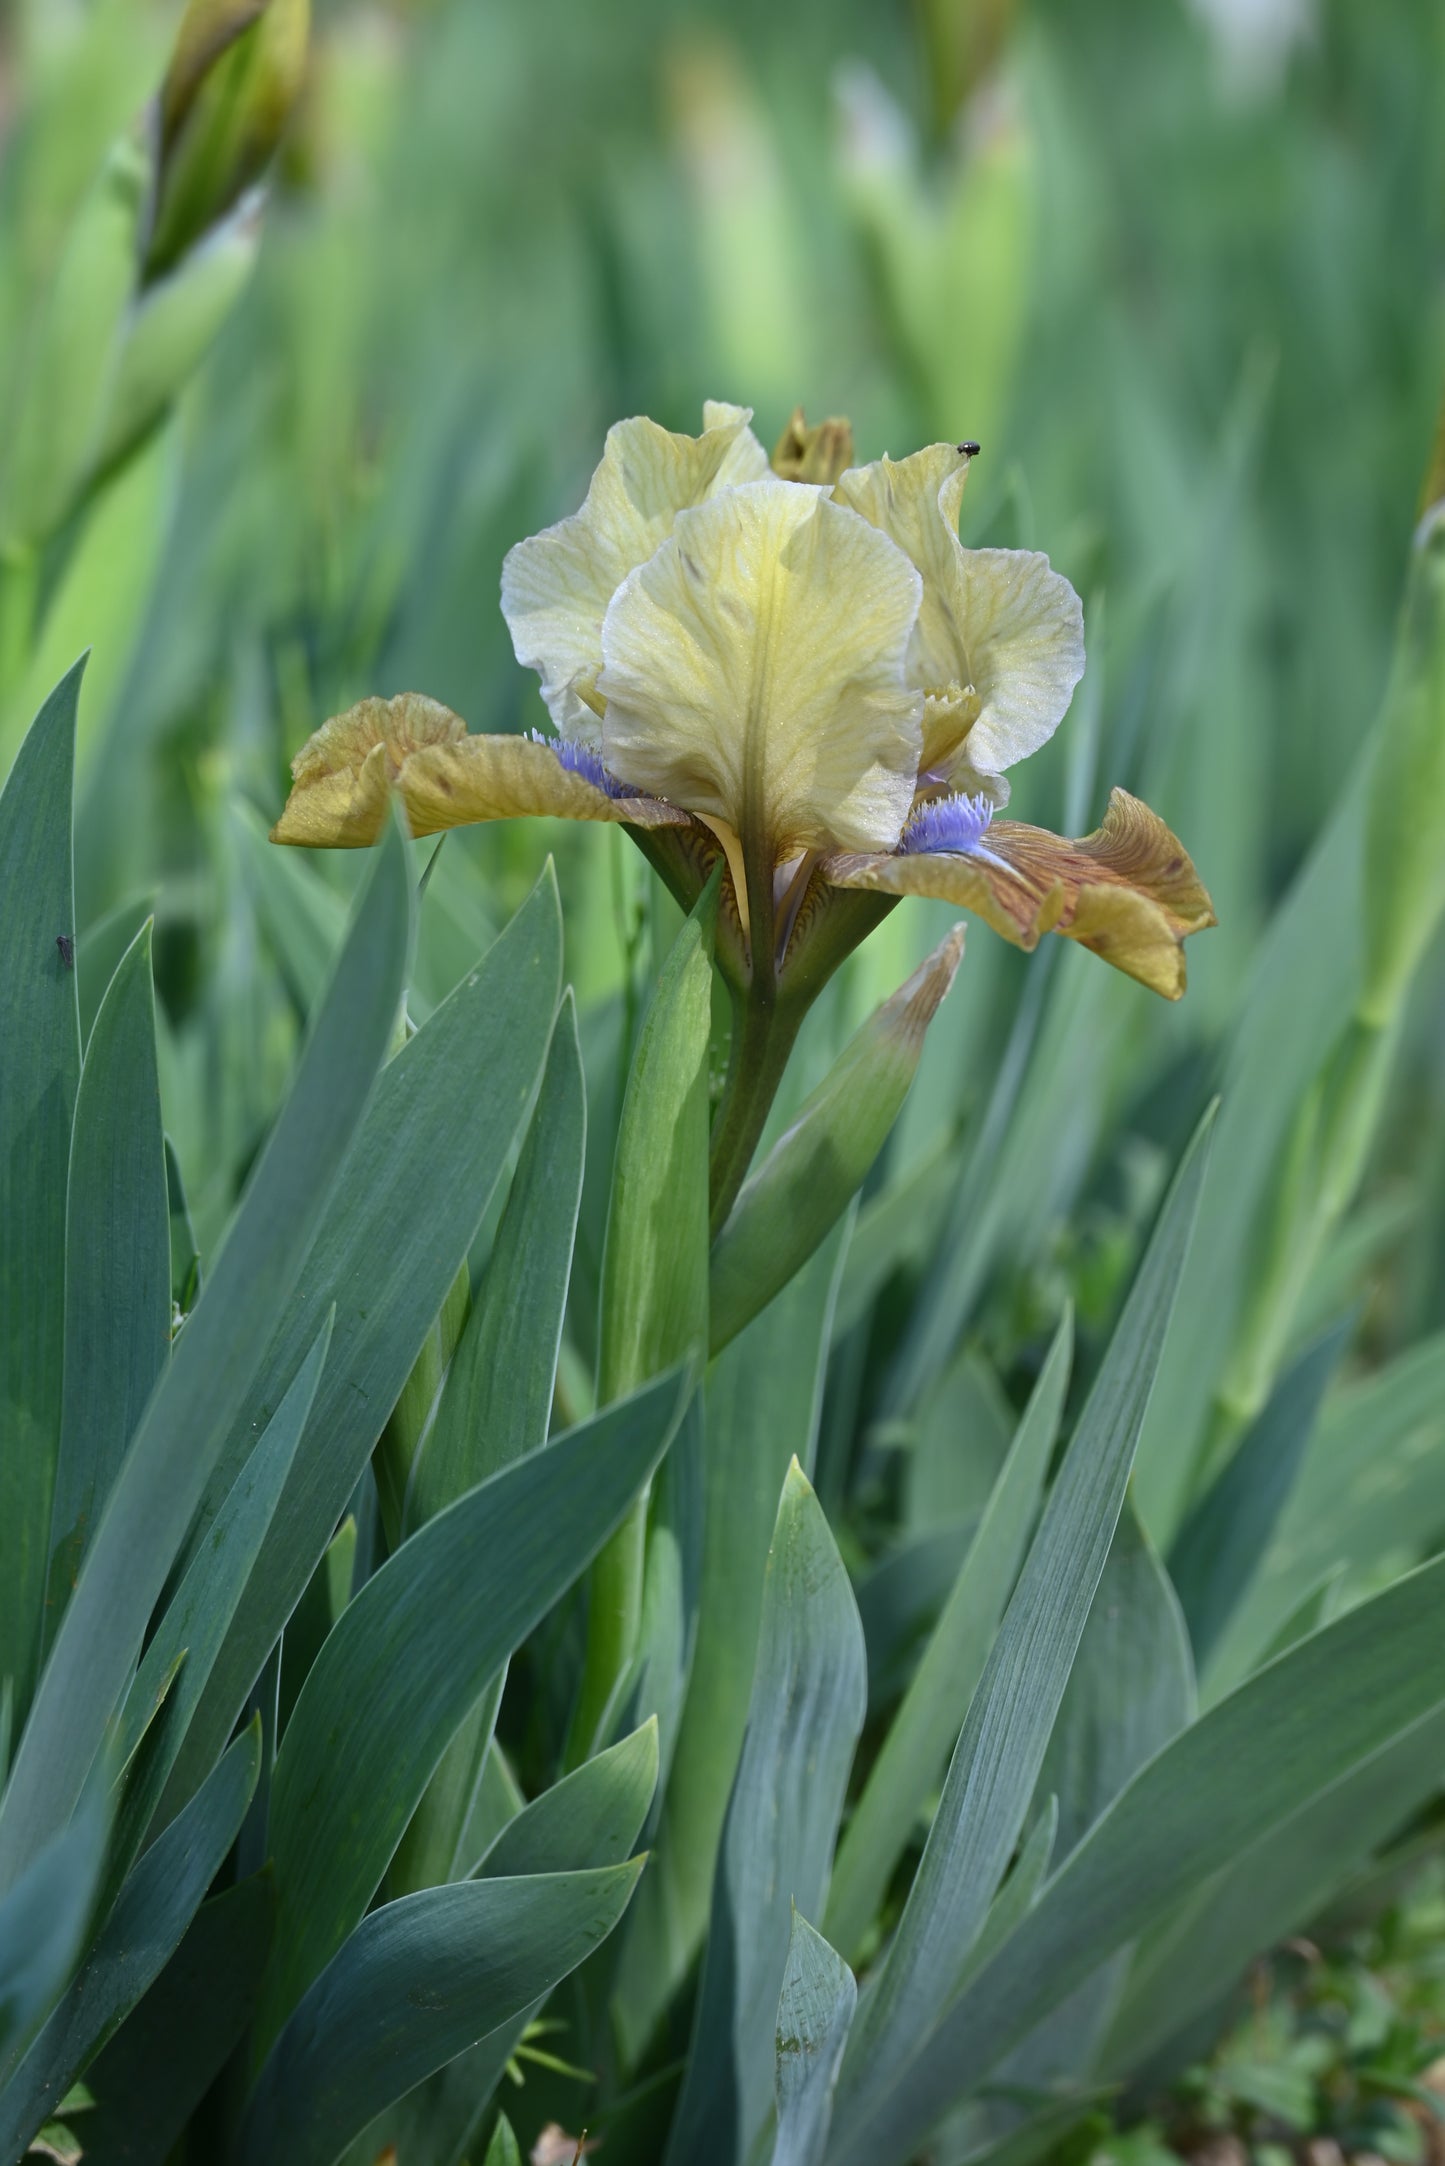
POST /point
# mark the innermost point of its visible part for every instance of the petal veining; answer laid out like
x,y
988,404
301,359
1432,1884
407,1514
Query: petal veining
x,y
444,777
1128,891
343,774
1000,641
556,585
755,671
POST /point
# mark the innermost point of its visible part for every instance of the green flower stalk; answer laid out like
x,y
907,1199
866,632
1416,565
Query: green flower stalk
x,y
810,684
819,1163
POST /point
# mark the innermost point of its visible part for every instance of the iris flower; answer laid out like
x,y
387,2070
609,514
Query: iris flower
x,y
795,667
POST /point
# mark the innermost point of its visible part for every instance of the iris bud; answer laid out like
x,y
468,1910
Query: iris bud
x,y
234,77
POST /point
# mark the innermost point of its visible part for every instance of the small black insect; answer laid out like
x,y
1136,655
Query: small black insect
x,y
67,950
969,450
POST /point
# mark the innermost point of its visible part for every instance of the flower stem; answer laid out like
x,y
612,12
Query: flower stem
x,y
763,1035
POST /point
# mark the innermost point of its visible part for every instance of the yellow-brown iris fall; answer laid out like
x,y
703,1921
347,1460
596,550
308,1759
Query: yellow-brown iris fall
x,y
795,664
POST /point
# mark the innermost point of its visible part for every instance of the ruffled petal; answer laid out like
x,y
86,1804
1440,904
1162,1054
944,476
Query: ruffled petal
x,y
444,777
1128,891
343,775
747,460
755,671
507,778
1000,641
556,585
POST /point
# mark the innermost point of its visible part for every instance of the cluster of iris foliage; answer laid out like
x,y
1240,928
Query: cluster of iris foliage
x,y
614,1514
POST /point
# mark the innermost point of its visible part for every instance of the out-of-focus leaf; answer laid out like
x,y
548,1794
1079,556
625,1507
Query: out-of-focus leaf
x,y
1404,885
161,2062
1130,1691
1222,1543
155,1907
1247,1767
98,952
1273,1890
815,2010
996,1763
1289,1019
896,1230
502,2150
804,1717
418,1982
180,1439
900,1600
959,1441
101,601
56,431
761,1408
39,1077
411,1654
174,322
921,1735
304,918
407,1204
1367,1492
117,1265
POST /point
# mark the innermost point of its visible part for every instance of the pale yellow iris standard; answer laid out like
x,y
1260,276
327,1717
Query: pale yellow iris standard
x,y
796,665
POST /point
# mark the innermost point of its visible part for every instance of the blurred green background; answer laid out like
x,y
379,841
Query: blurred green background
x,y
1178,267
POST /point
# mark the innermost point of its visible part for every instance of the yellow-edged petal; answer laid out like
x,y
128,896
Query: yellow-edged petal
x,y
755,671
507,778
343,775
444,777
1000,641
556,585
1128,892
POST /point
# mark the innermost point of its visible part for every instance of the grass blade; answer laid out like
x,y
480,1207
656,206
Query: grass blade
x,y
39,1077
117,1265
1247,1767
411,1654
916,1749
999,1754
804,1717
181,1436
1222,1544
198,1614
155,1907
402,1216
